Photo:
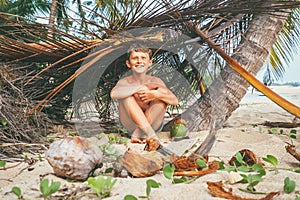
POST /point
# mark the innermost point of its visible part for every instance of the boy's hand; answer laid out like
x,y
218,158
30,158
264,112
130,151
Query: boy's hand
x,y
148,95
144,106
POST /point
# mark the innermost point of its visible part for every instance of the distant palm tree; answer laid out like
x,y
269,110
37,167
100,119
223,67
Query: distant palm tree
x,y
60,15
284,47
53,13
25,8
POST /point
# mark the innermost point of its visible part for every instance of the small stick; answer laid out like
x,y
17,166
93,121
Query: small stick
x,y
291,150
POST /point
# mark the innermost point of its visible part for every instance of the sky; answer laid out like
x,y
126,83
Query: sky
x,y
292,73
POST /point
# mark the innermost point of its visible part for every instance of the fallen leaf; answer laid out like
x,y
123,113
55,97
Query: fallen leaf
x,y
212,167
217,189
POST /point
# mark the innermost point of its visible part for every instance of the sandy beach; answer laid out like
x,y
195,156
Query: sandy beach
x,y
243,130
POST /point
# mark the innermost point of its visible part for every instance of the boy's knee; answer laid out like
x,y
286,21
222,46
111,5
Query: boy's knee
x,y
129,101
160,103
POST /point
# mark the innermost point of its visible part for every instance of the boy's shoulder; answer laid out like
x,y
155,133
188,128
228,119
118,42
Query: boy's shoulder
x,y
154,79
124,80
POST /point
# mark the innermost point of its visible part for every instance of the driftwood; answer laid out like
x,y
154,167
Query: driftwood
x,y
142,164
281,124
292,150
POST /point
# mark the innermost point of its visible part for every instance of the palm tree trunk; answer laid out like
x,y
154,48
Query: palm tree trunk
x,y
225,94
52,17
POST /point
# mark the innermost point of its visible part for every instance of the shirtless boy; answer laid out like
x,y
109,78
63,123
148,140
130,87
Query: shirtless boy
x,y
143,99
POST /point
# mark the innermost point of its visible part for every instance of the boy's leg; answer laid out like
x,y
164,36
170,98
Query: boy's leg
x,y
155,114
133,118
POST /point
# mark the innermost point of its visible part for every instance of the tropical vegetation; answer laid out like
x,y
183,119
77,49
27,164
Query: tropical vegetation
x,y
50,48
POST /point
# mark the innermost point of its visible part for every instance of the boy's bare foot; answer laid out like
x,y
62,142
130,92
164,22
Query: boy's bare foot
x,y
137,140
136,137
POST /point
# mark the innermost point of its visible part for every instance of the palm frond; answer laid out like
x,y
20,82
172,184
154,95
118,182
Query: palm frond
x,y
24,40
283,50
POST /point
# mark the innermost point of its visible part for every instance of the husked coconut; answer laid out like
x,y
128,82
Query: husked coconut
x,y
74,157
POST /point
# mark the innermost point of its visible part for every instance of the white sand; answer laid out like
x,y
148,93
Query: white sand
x,y
241,131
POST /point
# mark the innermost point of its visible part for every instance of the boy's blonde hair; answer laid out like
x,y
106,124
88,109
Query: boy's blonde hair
x,y
139,48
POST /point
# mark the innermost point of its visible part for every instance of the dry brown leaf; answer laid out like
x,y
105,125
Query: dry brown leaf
x,y
212,167
183,163
152,144
217,189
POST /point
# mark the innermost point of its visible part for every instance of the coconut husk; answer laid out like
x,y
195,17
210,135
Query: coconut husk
x,y
248,156
74,157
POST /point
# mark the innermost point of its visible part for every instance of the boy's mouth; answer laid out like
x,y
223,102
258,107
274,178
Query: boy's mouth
x,y
140,68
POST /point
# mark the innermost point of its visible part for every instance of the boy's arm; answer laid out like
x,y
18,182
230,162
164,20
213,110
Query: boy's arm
x,y
158,90
166,95
123,90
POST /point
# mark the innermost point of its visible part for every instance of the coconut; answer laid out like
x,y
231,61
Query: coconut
x,y
179,128
74,157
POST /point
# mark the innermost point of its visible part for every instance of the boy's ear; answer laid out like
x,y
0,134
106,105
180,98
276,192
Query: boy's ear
x,y
128,64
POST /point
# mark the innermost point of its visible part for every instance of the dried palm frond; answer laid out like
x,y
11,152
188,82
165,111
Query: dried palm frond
x,y
17,127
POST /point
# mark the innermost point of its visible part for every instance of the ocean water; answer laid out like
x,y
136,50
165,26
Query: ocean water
x,y
260,96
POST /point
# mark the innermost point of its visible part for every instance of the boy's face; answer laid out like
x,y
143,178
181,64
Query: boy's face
x,y
139,62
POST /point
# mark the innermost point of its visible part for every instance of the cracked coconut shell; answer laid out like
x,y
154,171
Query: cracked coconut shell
x,y
74,157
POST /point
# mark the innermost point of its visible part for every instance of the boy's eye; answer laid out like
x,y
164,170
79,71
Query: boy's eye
x,y
142,58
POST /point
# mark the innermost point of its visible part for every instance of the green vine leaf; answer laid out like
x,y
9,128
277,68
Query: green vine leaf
x,y
271,159
244,168
130,197
180,180
101,185
151,184
3,122
259,168
17,191
289,185
168,171
2,163
293,131
239,158
47,190
293,136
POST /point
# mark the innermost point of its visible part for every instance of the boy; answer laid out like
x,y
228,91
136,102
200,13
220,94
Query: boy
x,y
143,99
